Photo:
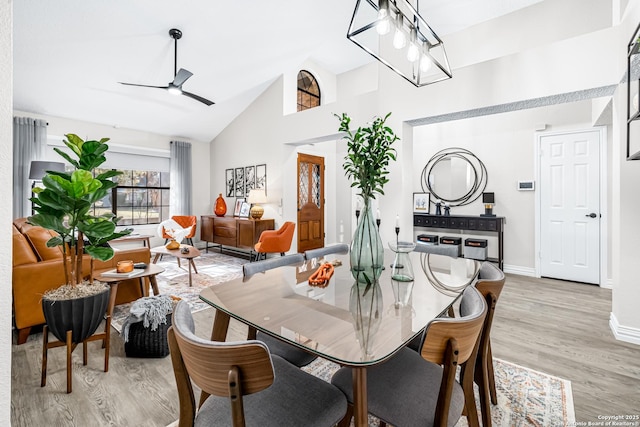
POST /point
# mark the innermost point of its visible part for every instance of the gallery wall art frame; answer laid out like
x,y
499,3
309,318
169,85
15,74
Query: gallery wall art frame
x,y
239,184
229,182
249,179
261,177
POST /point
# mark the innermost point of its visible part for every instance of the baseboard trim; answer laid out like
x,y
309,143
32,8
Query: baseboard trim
x,y
522,271
623,333
608,284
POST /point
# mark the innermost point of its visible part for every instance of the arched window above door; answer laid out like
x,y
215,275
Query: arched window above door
x,y
308,91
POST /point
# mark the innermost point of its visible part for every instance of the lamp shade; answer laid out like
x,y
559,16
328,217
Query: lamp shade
x,y
38,169
488,198
257,196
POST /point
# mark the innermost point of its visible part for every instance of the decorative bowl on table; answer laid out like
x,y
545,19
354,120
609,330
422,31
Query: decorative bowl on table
x,y
124,266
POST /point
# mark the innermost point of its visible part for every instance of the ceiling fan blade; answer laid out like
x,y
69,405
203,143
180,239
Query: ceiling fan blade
x,y
135,84
181,77
198,98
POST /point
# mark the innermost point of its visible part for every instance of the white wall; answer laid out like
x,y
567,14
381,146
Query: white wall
x,y
202,198
6,212
625,320
505,144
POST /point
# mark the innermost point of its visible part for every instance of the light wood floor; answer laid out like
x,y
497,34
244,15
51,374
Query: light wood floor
x,y
552,326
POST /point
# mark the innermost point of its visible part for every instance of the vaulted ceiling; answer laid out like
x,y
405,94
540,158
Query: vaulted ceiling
x,y
69,55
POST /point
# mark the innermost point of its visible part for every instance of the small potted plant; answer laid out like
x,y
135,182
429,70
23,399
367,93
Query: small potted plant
x,y
64,205
369,152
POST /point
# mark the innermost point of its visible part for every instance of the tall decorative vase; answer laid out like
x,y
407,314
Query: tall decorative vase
x,y
367,252
220,207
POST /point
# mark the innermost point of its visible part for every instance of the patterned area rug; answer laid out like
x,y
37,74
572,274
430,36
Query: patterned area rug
x,y
213,268
525,397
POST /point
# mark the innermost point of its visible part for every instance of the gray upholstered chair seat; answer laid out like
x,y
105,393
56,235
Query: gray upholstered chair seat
x,y
338,248
394,386
252,268
294,399
448,250
288,352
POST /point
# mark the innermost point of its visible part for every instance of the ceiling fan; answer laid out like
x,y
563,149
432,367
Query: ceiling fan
x,y
180,76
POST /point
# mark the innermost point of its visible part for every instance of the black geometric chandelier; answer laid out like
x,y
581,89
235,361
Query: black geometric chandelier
x,y
393,32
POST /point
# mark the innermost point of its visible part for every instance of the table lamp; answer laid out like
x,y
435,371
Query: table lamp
x,y
38,169
489,200
255,197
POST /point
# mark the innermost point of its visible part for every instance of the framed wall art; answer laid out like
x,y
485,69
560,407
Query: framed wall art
x,y
261,177
421,202
249,179
244,210
238,206
229,183
239,184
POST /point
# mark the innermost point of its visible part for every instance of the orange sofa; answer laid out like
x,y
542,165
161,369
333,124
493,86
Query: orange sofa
x,y
37,268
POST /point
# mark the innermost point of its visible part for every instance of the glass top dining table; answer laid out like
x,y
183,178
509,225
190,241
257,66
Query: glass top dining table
x,y
350,323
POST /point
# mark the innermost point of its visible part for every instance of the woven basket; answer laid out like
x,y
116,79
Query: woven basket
x,y
143,342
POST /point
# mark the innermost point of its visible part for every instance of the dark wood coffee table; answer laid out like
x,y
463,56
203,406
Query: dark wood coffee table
x,y
192,253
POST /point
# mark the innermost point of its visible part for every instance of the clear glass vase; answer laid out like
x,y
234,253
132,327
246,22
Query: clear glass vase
x,y
367,252
365,305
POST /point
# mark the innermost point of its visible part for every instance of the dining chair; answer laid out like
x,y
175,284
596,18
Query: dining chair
x,y
275,241
251,268
412,388
490,283
242,383
448,250
339,248
288,352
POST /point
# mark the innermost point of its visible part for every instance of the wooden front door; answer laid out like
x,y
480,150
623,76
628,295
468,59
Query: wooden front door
x,y
310,202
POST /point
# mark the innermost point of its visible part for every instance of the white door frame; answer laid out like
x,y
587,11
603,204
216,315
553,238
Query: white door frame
x,y
602,130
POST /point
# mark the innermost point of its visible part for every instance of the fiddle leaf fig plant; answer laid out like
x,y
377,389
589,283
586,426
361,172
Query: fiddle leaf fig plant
x,y
64,205
369,153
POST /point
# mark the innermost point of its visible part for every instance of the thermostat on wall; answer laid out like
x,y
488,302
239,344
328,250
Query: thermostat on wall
x,y
526,185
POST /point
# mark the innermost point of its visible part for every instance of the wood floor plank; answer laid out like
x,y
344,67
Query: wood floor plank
x,y
556,327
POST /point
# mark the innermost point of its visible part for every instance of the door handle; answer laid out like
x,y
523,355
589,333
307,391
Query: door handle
x,y
592,215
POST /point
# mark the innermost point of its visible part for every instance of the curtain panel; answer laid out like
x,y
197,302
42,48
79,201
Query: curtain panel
x,y
180,178
29,142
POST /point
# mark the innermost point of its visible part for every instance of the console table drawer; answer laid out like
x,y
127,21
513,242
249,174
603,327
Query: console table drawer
x,y
224,232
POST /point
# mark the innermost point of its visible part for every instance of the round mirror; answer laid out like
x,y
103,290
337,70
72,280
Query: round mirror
x,y
455,176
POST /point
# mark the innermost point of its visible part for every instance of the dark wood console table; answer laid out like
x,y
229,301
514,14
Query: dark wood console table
x,y
469,224
237,233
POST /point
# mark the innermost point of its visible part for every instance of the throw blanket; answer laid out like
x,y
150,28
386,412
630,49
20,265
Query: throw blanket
x,y
152,311
173,229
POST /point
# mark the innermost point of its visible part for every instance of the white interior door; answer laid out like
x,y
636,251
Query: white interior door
x,y
570,206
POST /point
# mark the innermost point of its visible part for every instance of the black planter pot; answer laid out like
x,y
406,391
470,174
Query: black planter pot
x,y
82,316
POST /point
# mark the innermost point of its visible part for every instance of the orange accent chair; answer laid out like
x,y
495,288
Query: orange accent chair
x,y
274,241
185,221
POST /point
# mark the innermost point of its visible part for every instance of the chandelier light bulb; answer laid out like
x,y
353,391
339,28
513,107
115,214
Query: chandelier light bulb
x,y
425,63
412,51
383,26
399,38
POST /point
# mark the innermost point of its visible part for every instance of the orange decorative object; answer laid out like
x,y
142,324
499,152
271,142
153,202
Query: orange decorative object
x,y
124,266
172,245
221,206
322,275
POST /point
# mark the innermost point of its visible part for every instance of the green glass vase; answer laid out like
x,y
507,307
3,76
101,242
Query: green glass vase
x,y
367,252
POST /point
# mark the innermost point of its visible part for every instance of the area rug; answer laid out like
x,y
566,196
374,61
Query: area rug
x,y
213,268
525,397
